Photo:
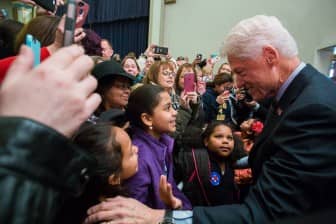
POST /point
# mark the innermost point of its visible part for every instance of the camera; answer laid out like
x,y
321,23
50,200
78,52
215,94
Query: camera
x,y
248,97
160,50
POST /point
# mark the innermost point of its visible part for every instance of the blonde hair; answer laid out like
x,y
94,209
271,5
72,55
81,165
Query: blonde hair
x,y
154,70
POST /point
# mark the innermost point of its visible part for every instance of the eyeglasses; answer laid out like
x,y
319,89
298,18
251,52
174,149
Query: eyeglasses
x,y
123,86
168,73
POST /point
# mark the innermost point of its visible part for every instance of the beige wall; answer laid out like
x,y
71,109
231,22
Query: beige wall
x,y
198,26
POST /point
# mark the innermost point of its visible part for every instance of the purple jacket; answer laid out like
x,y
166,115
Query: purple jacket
x,y
153,155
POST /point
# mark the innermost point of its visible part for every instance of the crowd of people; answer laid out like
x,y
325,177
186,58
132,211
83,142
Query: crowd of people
x,y
88,137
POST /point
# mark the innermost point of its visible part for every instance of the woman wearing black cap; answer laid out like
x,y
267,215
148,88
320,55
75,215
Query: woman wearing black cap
x,y
114,86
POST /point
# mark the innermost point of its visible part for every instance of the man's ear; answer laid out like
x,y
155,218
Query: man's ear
x,y
270,54
114,179
147,120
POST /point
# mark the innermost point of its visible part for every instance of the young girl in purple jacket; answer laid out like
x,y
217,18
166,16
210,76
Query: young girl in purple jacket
x,y
151,118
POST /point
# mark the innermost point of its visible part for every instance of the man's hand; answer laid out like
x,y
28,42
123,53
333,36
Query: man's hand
x,y
122,210
57,93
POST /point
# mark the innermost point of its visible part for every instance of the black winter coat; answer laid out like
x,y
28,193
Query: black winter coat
x,y
39,169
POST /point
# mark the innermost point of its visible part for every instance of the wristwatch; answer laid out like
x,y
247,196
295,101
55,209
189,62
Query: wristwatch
x,y
168,218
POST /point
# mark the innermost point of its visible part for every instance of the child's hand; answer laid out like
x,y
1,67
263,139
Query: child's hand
x,y
223,97
166,194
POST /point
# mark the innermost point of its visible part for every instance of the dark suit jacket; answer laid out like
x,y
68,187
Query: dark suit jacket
x,y
293,161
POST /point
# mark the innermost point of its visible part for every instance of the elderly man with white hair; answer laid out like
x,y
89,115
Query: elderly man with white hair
x,y
294,159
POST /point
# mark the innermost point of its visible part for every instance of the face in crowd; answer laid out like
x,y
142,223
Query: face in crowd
x,y
129,154
163,117
118,93
107,50
166,77
185,70
220,142
130,66
225,68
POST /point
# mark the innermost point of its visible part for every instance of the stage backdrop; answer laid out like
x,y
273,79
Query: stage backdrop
x,y
123,22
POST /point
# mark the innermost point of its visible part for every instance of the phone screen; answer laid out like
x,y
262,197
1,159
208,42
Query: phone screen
x,y
35,45
189,82
49,5
161,50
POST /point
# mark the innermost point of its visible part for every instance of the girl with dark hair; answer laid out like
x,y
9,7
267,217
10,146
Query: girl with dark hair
x,y
91,43
207,167
115,159
8,31
152,117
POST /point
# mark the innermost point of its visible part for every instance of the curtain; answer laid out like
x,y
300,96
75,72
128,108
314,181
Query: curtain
x,y
123,22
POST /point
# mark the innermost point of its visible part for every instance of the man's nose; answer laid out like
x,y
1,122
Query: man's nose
x,y
240,82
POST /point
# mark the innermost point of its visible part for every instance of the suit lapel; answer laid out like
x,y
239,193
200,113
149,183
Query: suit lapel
x,y
261,149
296,87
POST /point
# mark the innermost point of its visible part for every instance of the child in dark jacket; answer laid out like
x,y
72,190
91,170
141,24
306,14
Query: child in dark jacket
x,y
219,102
207,171
116,159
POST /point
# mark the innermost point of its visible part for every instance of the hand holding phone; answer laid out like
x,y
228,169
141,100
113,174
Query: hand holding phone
x,y
35,45
189,82
82,11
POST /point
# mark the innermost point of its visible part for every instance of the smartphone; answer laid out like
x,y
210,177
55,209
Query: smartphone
x,y
189,82
248,97
82,11
49,5
160,50
35,45
70,21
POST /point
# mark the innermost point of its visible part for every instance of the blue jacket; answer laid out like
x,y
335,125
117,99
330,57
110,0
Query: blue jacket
x,y
210,107
155,159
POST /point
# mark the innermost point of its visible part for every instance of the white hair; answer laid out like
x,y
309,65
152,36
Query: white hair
x,y
248,37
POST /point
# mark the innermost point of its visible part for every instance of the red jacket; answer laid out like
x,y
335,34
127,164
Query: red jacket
x,y
6,62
